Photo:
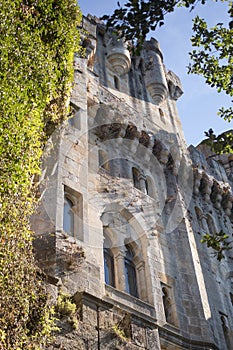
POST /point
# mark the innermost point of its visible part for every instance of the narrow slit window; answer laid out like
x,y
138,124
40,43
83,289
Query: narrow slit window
x,y
116,82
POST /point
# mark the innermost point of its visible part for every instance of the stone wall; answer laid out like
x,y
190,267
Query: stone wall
x,y
122,165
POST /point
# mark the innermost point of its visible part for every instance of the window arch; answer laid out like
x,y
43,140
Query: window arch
x,y
68,216
169,305
130,272
124,262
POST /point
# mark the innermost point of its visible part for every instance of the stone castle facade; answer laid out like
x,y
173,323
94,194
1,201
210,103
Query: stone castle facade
x,y
124,206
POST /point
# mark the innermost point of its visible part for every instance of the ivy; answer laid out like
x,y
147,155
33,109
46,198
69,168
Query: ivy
x,y
37,40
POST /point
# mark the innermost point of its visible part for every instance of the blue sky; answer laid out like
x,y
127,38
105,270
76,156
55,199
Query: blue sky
x,y
199,104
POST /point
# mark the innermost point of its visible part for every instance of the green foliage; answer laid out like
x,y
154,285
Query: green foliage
x,y
218,242
213,59
136,18
119,332
37,40
219,144
67,308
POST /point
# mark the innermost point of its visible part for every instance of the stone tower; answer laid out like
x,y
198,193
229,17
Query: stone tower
x,y
124,206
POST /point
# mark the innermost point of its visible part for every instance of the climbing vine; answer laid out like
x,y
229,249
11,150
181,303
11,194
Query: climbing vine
x,y
37,40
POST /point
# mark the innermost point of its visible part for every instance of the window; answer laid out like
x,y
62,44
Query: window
x,y
73,213
161,113
231,297
75,119
150,187
166,303
226,330
109,267
68,216
130,273
124,265
116,82
136,178
169,305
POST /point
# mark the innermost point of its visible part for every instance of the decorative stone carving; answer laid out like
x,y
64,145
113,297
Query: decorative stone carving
x,y
205,187
155,77
216,195
227,200
197,181
174,85
118,57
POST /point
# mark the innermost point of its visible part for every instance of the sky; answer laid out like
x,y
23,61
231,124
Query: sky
x,y
199,104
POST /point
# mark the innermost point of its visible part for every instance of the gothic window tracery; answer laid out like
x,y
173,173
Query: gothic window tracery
x,y
124,265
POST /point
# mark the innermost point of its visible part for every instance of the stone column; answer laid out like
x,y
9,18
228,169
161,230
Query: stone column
x,y
142,183
141,280
119,259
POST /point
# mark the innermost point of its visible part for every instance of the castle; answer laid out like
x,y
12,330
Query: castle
x,y
124,207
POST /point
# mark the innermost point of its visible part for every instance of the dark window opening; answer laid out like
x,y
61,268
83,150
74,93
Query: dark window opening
x,y
130,273
109,267
136,178
116,82
167,305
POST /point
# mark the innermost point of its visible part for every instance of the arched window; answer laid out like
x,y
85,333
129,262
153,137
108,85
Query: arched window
x,y
72,222
130,273
109,267
68,216
136,178
166,304
226,331
169,305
